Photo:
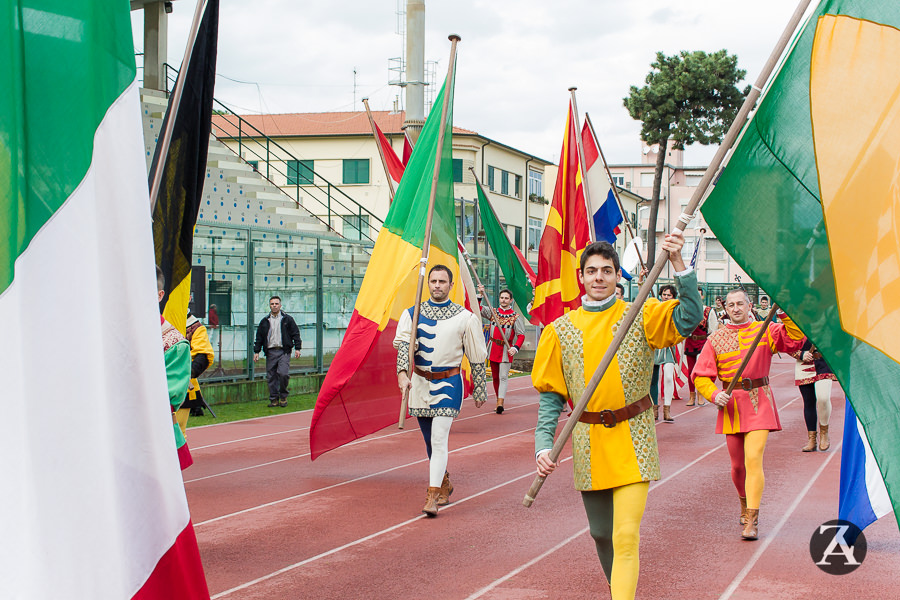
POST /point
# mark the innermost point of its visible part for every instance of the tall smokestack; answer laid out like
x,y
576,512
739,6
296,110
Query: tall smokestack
x,y
415,68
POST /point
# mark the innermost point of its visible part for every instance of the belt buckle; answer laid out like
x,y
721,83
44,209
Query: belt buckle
x,y
746,384
604,414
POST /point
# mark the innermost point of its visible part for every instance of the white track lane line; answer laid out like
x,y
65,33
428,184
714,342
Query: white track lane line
x,y
254,437
349,481
372,536
561,545
368,439
774,534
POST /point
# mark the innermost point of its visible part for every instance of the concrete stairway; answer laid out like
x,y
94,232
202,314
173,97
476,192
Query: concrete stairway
x,y
234,193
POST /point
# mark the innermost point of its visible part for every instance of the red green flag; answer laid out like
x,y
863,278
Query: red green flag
x,y
808,205
359,395
519,276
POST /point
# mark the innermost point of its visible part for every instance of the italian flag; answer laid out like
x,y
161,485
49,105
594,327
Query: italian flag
x,y
93,503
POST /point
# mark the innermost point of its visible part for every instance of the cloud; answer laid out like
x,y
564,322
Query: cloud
x,y
516,61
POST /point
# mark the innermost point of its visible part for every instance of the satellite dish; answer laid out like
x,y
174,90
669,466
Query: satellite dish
x,y
648,149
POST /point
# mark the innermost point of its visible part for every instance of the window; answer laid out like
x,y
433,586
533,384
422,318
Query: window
x,y
692,179
516,237
714,250
534,233
300,172
457,170
504,183
491,178
647,179
355,226
715,276
535,183
356,170
618,179
687,251
518,192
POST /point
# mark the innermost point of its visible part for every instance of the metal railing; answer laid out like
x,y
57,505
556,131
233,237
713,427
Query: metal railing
x,y
321,198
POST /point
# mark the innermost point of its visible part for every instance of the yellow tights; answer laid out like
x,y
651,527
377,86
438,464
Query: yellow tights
x,y
615,520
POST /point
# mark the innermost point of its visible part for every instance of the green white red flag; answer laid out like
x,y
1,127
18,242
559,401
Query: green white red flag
x,y
93,500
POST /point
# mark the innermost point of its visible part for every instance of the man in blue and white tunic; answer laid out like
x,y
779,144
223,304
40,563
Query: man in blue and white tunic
x,y
445,332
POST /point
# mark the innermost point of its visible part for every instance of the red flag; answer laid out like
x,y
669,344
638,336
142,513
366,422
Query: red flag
x,y
395,167
565,236
407,149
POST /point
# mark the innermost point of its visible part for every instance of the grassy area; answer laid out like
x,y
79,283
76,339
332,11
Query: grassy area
x,y
250,410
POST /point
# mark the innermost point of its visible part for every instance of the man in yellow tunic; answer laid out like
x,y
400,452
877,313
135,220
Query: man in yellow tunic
x,y
614,445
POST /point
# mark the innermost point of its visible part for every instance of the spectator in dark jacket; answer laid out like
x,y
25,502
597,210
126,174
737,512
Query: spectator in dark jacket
x,y
276,335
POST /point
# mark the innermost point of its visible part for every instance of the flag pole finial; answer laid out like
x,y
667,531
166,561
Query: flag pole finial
x,y
573,88
454,37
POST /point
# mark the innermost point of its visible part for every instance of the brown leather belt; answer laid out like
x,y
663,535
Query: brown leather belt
x,y
816,355
749,384
609,418
497,341
698,337
436,376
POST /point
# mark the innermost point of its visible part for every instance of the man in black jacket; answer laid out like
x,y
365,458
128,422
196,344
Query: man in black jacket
x,y
276,334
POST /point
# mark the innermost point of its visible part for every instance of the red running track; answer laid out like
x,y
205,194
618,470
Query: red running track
x,y
272,524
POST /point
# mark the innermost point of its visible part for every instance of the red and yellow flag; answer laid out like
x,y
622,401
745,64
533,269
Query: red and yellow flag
x,y
565,235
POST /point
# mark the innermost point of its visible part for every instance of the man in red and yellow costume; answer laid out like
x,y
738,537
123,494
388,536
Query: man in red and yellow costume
x,y
747,415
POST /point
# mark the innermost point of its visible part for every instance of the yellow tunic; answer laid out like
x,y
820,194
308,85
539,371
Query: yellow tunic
x,y
569,351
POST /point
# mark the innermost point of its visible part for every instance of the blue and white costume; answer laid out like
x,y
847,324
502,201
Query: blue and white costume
x,y
446,331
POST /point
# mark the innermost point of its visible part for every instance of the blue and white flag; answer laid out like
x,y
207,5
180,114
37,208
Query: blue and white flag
x,y
603,209
863,497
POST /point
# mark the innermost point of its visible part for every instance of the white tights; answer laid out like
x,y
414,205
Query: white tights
x,y
669,382
823,400
440,436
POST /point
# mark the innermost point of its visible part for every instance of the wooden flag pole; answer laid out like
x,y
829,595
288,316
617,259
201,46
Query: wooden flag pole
x,y
474,273
387,172
426,243
174,101
612,184
683,220
579,143
762,330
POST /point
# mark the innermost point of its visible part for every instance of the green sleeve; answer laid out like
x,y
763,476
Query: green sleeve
x,y
689,312
178,372
550,407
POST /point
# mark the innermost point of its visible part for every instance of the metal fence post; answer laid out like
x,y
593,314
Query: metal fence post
x,y
320,307
251,255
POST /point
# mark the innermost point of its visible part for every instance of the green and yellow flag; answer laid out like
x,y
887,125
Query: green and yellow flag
x,y
809,203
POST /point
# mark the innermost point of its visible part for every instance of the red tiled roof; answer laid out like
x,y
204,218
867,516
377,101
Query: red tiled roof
x,y
314,124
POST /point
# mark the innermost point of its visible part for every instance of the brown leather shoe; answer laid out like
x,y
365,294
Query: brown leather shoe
x,y
499,406
810,443
693,399
743,520
824,442
751,529
446,489
667,415
431,507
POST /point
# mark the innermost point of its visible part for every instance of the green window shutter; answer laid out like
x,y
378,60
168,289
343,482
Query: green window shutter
x,y
504,183
491,178
300,172
457,170
356,170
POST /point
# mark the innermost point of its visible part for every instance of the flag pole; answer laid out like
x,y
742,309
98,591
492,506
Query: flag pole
x,y
426,243
387,172
612,184
632,312
175,100
472,270
579,143
746,359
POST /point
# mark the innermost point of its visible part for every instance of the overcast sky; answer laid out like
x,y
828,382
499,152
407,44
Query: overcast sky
x,y
516,60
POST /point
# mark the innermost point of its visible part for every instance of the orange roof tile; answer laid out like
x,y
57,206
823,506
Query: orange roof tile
x,y
314,124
